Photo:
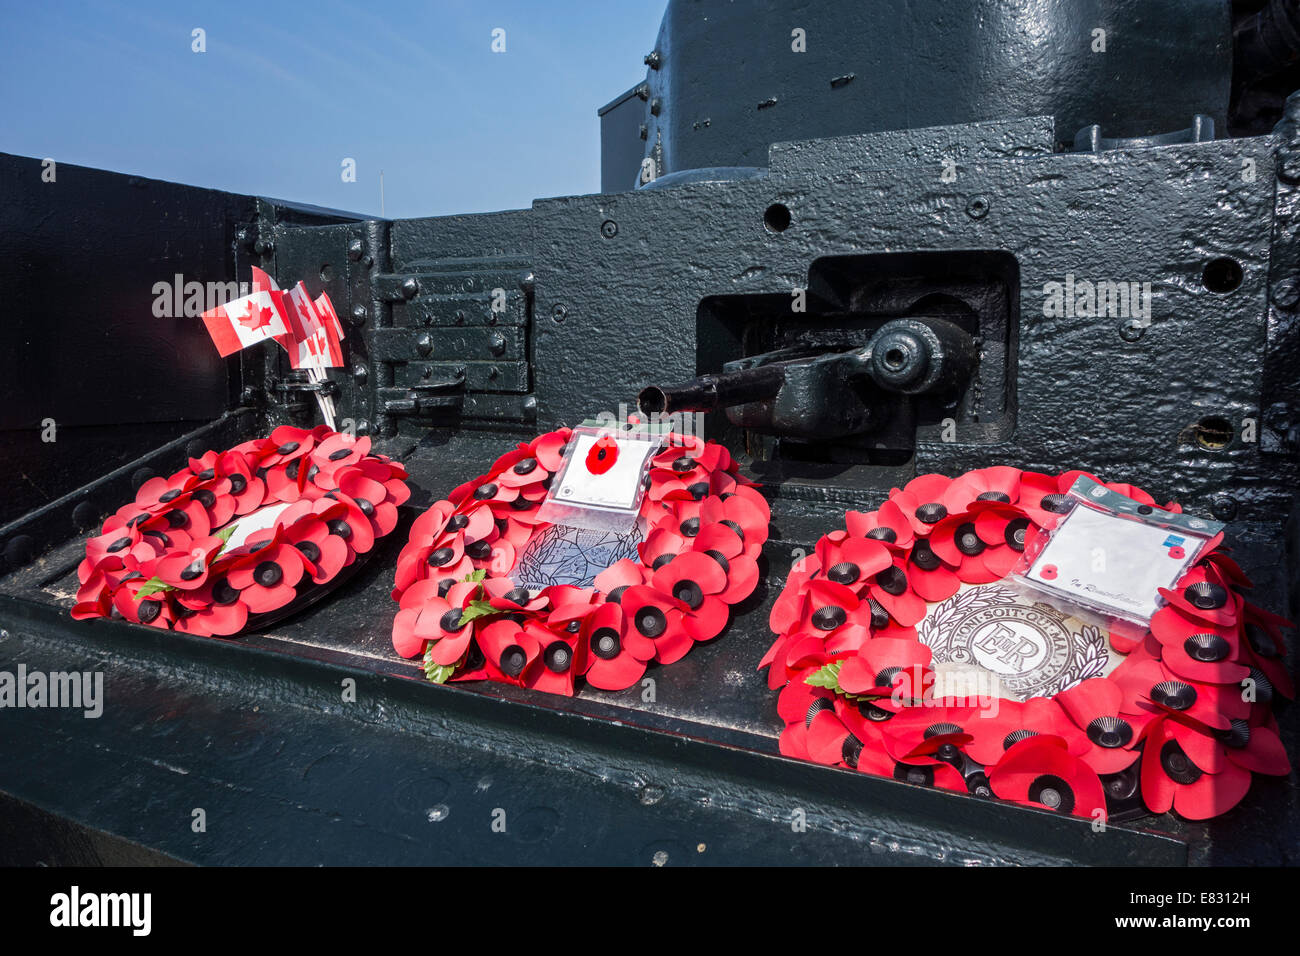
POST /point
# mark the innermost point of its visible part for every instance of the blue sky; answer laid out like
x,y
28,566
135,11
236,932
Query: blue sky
x,y
285,92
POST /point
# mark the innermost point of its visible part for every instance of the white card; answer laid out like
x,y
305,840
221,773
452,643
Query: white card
x,y
616,488
1112,563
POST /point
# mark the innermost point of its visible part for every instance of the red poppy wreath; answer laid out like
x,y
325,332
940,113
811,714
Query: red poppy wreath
x,y
465,611
1177,715
238,535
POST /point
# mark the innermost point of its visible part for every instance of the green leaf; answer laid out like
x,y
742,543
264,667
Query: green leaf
x,y
476,576
225,533
828,676
153,586
438,673
477,609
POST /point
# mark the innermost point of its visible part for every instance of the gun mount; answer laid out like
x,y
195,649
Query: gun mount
x,y
803,394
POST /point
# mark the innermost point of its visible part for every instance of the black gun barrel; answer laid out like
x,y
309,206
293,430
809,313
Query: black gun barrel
x,y
710,392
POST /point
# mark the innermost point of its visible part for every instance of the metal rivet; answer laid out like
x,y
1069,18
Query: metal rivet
x,y
528,282
359,314
497,343
656,105
1286,293
360,373
140,476
1131,330
409,288
978,207
84,515
363,427
560,313
264,247
424,344
19,550
653,60
609,229
356,248
1224,508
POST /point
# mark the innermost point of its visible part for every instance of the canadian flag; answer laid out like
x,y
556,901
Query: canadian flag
x,y
246,321
325,309
321,349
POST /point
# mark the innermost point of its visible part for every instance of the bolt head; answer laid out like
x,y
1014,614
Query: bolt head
x,y
609,229
1286,293
1130,331
410,287
1224,508
359,314
978,207
356,248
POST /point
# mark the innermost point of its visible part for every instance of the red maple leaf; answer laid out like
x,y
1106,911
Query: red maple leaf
x,y
257,317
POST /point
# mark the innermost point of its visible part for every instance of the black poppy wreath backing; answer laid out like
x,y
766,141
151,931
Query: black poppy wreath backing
x,y
1183,721
240,537
465,615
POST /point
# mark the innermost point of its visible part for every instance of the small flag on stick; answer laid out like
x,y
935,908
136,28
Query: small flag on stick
x,y
308,329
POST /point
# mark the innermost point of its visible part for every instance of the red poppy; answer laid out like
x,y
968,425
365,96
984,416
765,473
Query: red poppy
x,y
426,615
288,443
999,484
1042,498
1005,722
188,570
1150,688
215,610
1041,772
887,523
892,590
617,651
1005,533
697,582
1094,707
726,548
921,501
562,658
894,672
267,577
